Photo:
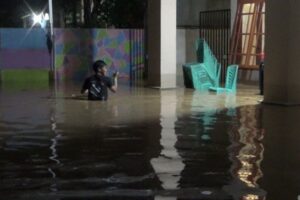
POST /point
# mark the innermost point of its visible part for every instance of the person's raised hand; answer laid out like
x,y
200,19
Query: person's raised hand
x,y
116,74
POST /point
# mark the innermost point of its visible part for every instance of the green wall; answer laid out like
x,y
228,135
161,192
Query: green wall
x,y
23,78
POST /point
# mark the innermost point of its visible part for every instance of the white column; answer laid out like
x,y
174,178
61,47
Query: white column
x,y
162,43
168,43
282,67
50,4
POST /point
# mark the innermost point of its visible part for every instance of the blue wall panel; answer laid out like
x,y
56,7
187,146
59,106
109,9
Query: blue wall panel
x,y
19,38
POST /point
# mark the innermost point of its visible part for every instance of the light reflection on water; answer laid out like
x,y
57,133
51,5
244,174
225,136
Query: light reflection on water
x,y
246,153
168,165
143,144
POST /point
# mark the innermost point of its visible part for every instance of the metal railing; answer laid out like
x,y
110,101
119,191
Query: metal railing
x,y
215,29
137,56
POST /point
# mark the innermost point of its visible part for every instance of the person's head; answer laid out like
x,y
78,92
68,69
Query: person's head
x,y
99,67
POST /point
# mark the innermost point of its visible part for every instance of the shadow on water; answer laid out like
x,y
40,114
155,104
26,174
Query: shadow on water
x,y
142,144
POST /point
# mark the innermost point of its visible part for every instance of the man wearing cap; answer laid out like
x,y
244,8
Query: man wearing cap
x,y
97,84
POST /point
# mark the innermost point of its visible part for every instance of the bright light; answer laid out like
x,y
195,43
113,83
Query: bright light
x,y
40,19
37,19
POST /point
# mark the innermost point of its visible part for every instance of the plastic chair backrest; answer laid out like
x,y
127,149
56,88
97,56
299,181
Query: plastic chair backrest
x,y
231,77
210,63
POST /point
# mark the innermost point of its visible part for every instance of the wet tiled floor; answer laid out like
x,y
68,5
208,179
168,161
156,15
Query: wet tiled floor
x,y
147,144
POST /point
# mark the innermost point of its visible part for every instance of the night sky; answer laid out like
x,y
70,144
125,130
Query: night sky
x,y
112,13
13,3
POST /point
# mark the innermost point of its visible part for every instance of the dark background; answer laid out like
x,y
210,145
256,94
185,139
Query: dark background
x,y
76,13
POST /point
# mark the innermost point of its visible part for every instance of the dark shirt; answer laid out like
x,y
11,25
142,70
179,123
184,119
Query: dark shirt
x,y
97,86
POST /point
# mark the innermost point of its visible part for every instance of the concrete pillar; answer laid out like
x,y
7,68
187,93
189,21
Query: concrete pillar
x,y
282,67
162,43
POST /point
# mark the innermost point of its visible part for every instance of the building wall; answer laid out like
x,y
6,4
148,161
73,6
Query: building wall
x,y
186,49
188,10
73,53
233,8
188,25
23,48
282,52
75,50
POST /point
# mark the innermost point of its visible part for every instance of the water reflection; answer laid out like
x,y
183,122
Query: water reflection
x,y
53,145
246,153
202,141
168,165
208,106
145,144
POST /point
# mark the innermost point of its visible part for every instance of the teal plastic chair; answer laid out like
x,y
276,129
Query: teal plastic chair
x,y
231,79
195,76
204,73
210,62
200,78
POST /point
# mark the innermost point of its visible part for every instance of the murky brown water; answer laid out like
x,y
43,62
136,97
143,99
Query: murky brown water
x,y
147,144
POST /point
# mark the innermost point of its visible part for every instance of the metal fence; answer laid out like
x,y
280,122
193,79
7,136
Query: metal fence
x,y
137,56
215,29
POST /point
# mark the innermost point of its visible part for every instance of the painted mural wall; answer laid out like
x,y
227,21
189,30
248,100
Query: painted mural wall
x,y
73,53
113,46
75,50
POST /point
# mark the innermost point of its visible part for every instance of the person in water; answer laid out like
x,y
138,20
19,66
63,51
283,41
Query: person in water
x,y
98,84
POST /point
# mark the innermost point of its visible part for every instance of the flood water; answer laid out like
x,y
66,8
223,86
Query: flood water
x,y
147,144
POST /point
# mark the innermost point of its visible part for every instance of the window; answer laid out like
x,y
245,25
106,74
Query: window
x,y
248,36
